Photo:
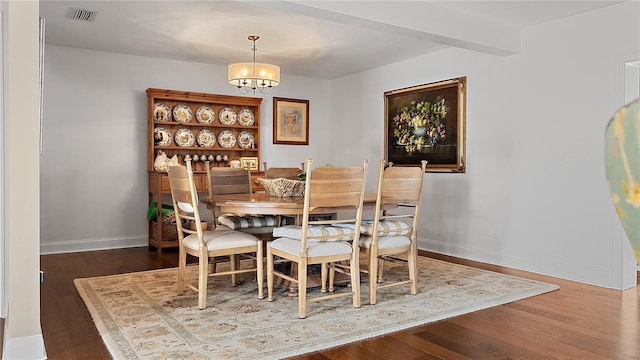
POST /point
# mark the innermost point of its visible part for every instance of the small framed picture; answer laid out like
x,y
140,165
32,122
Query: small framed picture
x,y
290,121
250,162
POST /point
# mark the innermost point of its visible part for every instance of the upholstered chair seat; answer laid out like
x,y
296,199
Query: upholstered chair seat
x,y
220,240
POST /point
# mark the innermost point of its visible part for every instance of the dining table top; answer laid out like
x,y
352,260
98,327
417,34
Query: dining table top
x,y
265,204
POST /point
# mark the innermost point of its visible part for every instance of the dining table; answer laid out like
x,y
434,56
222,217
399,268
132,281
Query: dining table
x,y
262,203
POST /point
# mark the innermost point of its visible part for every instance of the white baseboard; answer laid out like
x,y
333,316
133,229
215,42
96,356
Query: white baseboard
x,y
25,348
592,276
58,247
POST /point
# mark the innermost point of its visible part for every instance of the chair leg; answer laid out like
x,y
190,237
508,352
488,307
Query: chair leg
x,y
203,276
413,271
269,273
373,274
302,289
332,279
233,261
380,269
324,269
212,265
354,270
182,263
260,269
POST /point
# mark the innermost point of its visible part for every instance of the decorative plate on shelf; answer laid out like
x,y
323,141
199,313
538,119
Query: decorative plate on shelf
x,y
182,113
245,140
226,139
161,112
184,137
206,138
205,114
161,136
228,116
246,118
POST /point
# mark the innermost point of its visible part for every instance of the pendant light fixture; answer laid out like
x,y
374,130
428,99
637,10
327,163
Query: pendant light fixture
x,y
253,76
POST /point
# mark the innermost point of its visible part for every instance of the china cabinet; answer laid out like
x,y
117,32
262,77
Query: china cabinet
x,y
206,127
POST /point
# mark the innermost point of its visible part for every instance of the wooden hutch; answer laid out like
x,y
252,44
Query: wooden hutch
x,y
219,128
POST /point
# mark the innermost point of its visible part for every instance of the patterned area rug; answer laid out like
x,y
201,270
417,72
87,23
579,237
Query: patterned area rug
x,y
140,315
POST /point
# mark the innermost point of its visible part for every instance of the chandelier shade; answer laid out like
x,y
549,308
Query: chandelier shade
x,y
253,76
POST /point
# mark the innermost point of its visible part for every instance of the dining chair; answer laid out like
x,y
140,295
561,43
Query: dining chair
x,y
282,172
227,180
320,242
205,244
393,232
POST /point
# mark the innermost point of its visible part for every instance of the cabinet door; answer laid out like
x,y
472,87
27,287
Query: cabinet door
x,y
200,181
165,187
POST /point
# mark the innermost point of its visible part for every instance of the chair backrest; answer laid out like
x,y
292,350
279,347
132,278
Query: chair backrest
x,y
282,172
336,189
402,186
226,180
185,199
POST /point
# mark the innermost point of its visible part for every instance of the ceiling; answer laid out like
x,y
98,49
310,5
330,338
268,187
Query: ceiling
x,y
317,39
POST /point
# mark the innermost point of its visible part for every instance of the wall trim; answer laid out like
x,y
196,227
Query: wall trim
x,y
24,348
69,246
552,268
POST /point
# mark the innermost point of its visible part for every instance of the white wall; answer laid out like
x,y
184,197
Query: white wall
x,y
94,176
22,334
534,195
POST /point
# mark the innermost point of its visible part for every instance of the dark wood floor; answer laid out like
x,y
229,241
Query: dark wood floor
x,y
577,322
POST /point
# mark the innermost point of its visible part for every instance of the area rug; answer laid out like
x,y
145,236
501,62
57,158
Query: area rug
x,y
140,315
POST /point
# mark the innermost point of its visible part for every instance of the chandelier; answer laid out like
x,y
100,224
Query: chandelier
x,y
253,76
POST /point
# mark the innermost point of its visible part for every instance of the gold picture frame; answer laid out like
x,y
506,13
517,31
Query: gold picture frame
x,y
290,121
249,161
427,122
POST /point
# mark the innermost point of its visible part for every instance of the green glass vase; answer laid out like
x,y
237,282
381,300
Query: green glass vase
x,y
622,166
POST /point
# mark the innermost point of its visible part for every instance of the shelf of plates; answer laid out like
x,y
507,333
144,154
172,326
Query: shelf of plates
x,y
207,127
218,128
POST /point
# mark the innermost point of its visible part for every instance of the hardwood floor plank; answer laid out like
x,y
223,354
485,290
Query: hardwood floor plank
x,y
412,338
319,356
545,339
572,323
480,342
348,351
578,321
387,347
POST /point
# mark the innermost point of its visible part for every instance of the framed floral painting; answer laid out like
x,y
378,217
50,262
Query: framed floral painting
x,y
427,122
290,121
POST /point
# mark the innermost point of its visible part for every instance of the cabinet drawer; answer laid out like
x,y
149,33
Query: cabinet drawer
x,y
200,180
256,186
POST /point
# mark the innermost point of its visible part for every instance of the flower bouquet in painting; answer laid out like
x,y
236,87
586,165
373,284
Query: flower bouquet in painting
x,y
420,125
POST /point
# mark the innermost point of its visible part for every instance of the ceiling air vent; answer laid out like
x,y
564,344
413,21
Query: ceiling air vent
x,y
82,14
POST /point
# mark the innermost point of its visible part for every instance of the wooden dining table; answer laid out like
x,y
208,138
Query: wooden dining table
x,y
265,204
